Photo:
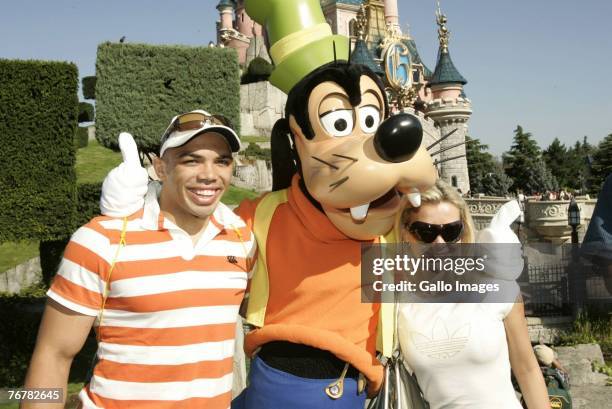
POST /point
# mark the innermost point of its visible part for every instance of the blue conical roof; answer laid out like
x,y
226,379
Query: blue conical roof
x,y
361,55
445,72
226,3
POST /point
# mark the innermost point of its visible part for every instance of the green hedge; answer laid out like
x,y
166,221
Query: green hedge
x,y
21,318
86,112
259,70
81,138
21,315
89,87
88,204
88,207
38,119
141,87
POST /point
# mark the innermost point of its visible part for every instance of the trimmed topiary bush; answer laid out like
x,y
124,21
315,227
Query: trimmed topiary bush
x,y
38,119
88,204
89,87
86,112
141,87
81,138
259,70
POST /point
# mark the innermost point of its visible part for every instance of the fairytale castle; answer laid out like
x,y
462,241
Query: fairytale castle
x,y
436,96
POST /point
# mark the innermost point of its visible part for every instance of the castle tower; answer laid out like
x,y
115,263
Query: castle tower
x,y
451,112
391,13
226,17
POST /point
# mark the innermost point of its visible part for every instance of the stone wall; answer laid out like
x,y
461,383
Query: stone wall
x,y
254,176
261,105
24,275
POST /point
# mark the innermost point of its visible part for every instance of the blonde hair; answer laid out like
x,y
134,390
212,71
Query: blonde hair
x,y
440,192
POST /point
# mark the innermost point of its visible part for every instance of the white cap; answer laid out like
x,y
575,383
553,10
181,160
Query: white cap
x,y
173,139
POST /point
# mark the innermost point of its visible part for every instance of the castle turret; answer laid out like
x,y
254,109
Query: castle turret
x,y
391,13
361,54
226,17
451,111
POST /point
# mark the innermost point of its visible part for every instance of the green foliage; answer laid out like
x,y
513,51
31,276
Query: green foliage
x,y
21,315
602,164
38,118
141,87
21,318
486,174
86,112
81,138
259,70
51,253
88,203
524,164
89,87
254,151
496,182
590,327
555,157
88,207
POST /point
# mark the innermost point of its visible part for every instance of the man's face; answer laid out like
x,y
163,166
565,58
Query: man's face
x,y
195,176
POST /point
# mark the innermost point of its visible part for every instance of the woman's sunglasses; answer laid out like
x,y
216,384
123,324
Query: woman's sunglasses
x,y
427,233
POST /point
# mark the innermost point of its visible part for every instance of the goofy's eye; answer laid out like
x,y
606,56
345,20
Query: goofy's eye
x,y
369,118
338,123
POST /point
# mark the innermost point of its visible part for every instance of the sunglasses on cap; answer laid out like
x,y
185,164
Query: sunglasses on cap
x,y
427,233
194,120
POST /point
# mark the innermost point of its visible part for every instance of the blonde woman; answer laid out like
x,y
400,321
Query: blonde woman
x,y
462,354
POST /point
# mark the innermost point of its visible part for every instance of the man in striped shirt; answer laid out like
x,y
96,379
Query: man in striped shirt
x,y
162,288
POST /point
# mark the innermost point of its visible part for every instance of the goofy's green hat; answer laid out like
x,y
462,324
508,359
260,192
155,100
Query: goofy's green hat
x,y
300,39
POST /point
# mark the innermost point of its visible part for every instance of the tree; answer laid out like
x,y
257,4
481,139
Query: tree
x,y
577,165
556,156
255,151
486,174
524,164
496,182
601,164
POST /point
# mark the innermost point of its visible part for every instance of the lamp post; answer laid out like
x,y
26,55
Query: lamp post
x,y
573,219
576,279
521,219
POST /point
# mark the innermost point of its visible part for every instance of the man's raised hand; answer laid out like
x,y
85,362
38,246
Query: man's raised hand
x,y
125,186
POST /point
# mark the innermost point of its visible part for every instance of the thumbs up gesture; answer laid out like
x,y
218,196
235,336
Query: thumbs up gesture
x,y
125,186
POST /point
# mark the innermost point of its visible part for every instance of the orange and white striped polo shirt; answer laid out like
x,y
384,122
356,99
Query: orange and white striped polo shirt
x,y
168,325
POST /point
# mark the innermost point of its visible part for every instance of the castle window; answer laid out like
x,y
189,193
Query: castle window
x,y
454,181
352,31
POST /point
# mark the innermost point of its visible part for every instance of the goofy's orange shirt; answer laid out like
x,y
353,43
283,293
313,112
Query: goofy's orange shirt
x,y
314,275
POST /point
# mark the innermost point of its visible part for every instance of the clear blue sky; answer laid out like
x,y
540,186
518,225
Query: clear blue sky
x,y
544,64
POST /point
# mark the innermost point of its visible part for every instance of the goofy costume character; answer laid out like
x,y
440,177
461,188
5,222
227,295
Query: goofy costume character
x,y
340,163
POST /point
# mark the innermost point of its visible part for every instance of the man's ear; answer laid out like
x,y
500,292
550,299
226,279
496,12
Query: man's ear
x,y
161,168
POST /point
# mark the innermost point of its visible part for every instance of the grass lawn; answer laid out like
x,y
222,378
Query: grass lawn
x,y
12,254
94,162
235,195
254,139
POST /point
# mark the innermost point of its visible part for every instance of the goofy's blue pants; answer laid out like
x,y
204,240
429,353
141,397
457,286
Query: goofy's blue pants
x,y
270,388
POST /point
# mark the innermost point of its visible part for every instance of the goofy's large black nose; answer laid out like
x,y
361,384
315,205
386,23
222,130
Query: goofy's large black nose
x,y
398,138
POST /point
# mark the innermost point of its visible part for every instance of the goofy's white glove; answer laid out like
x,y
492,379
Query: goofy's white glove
x,y
125,186
501,245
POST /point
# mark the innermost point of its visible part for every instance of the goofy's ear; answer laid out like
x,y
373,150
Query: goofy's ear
x,y
283,156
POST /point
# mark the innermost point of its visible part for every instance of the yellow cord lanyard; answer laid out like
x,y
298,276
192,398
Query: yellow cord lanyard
x,y
122,243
